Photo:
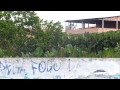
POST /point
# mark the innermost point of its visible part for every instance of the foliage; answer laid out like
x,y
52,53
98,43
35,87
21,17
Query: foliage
x,y
24,34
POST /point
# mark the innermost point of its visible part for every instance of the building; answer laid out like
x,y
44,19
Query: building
x,y
93,25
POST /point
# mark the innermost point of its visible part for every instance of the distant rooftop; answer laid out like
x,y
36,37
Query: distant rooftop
x,y
91,19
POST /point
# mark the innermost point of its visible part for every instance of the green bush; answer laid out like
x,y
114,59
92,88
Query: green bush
x,y
48,40
38,52
2,52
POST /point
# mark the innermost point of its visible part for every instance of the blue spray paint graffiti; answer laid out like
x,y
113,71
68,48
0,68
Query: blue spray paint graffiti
x,y
10,69
45,67
57,77
69,65
50,68
117,76
42,67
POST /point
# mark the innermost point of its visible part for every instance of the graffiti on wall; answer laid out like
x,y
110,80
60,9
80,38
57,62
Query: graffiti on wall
x,y
58,68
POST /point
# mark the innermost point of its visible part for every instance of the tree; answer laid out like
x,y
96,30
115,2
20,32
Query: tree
x,y
50,36
15,28
24,33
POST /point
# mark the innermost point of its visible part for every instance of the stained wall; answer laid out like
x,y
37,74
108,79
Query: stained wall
x,y
59,68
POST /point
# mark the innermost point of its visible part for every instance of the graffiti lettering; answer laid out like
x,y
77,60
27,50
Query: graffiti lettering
x,y
56,67
42,66
33,68
10,69
49,68
69,65
45,67
38,68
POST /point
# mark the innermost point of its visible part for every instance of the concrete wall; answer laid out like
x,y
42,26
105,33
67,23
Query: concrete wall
x,y
90,30
82,31
59,68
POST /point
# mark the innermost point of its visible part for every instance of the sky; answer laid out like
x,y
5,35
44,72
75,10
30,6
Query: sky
x,y
73,15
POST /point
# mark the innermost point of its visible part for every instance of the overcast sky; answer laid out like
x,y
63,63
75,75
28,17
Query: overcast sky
x,y
71,15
